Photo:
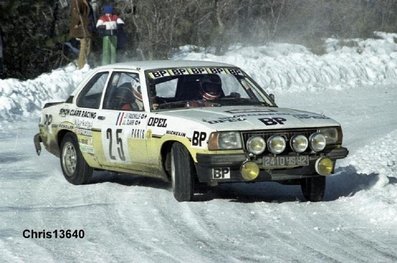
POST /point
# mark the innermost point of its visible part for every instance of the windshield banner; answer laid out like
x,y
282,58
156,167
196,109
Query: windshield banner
x,y
193,71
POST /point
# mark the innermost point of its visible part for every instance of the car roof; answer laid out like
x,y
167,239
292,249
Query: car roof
x,y
157,64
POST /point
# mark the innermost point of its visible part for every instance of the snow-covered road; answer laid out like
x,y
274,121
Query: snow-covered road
x,y
132,219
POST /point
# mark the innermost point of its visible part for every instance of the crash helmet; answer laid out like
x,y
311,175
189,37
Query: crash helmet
x,y
210,87
136,91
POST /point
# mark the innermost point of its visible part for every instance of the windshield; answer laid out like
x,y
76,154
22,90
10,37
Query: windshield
x,y
203,87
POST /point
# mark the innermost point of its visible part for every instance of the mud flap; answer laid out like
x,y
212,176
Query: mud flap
x,y
37,140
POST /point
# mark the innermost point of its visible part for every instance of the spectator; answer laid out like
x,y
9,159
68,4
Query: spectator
x,y
80,28
108,25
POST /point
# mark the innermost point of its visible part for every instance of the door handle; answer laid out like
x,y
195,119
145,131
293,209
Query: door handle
x,y
101,118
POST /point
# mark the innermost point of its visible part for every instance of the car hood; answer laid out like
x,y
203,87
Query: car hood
x,y
251,118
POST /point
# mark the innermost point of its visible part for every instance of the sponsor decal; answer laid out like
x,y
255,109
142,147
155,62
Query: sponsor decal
x,y
221,173
87,141
237,111
193,71
84,132
85,145
157,122
67,126
83,124
128,118
83,127
250,112
176,133
224,119
198,138
77,113
310,116
266,112
273,121
137,133
64,112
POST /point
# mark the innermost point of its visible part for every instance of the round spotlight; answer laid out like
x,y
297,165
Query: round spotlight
x,y
249,171
256,145
299,143
324,166
317,142
276,144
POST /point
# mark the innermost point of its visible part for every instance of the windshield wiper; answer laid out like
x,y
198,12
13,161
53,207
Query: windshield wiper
x,y
172,104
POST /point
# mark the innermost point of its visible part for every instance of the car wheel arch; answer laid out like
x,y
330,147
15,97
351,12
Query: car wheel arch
x,y
166,157
165,153
61,134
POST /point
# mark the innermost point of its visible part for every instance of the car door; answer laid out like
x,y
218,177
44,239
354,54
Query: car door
x,y
82,115
122,123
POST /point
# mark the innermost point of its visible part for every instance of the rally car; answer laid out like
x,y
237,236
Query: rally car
x,y
192,123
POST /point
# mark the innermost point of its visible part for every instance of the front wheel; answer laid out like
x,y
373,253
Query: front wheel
x,y
313,188
74,167
182,173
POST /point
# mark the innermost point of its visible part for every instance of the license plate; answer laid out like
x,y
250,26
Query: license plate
x,y
285,161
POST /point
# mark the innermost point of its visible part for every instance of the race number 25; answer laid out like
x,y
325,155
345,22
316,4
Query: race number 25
x,y
118,144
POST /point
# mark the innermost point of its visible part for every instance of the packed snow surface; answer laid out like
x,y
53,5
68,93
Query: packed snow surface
x,y
135,219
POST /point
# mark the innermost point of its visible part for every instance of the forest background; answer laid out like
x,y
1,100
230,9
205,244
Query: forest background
x,y
35,32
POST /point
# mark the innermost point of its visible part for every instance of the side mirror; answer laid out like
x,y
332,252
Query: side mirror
x,y
272,97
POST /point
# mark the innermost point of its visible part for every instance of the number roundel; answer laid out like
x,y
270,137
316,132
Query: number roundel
x,y
119,144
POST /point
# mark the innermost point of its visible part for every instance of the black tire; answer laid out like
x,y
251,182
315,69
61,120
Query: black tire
x,y
183,173
313,188
74,167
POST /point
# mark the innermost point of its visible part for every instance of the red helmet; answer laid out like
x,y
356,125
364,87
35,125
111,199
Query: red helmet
x,y
210,87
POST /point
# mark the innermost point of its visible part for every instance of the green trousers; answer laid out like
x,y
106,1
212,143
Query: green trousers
x,y
109,46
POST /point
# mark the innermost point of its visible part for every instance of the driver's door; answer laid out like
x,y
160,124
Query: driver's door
x,y
122,127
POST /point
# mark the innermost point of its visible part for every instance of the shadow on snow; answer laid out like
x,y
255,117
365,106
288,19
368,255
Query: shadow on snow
x,y
345,182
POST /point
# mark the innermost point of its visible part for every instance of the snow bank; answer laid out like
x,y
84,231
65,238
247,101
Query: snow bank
x,y
278,67
293,68
378,162
26,98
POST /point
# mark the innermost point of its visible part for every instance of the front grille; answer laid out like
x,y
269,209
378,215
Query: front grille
x,y
287,134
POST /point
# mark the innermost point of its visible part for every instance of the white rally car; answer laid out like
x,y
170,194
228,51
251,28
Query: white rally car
x,y
193,123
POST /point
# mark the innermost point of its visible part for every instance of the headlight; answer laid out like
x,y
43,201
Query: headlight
x,y
224,141
256,145
299,143
276,144
331,135
317,142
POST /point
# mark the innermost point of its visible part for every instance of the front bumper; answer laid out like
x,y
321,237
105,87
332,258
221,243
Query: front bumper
x,y
225,168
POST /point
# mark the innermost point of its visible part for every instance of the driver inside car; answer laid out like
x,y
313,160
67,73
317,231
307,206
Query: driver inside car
x,y
210,90
210,87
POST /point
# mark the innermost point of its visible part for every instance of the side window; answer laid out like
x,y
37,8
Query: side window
x,y
124,93
90,96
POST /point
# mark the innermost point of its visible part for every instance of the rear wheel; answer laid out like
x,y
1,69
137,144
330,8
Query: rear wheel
x,y
313,188
182,173
74,167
